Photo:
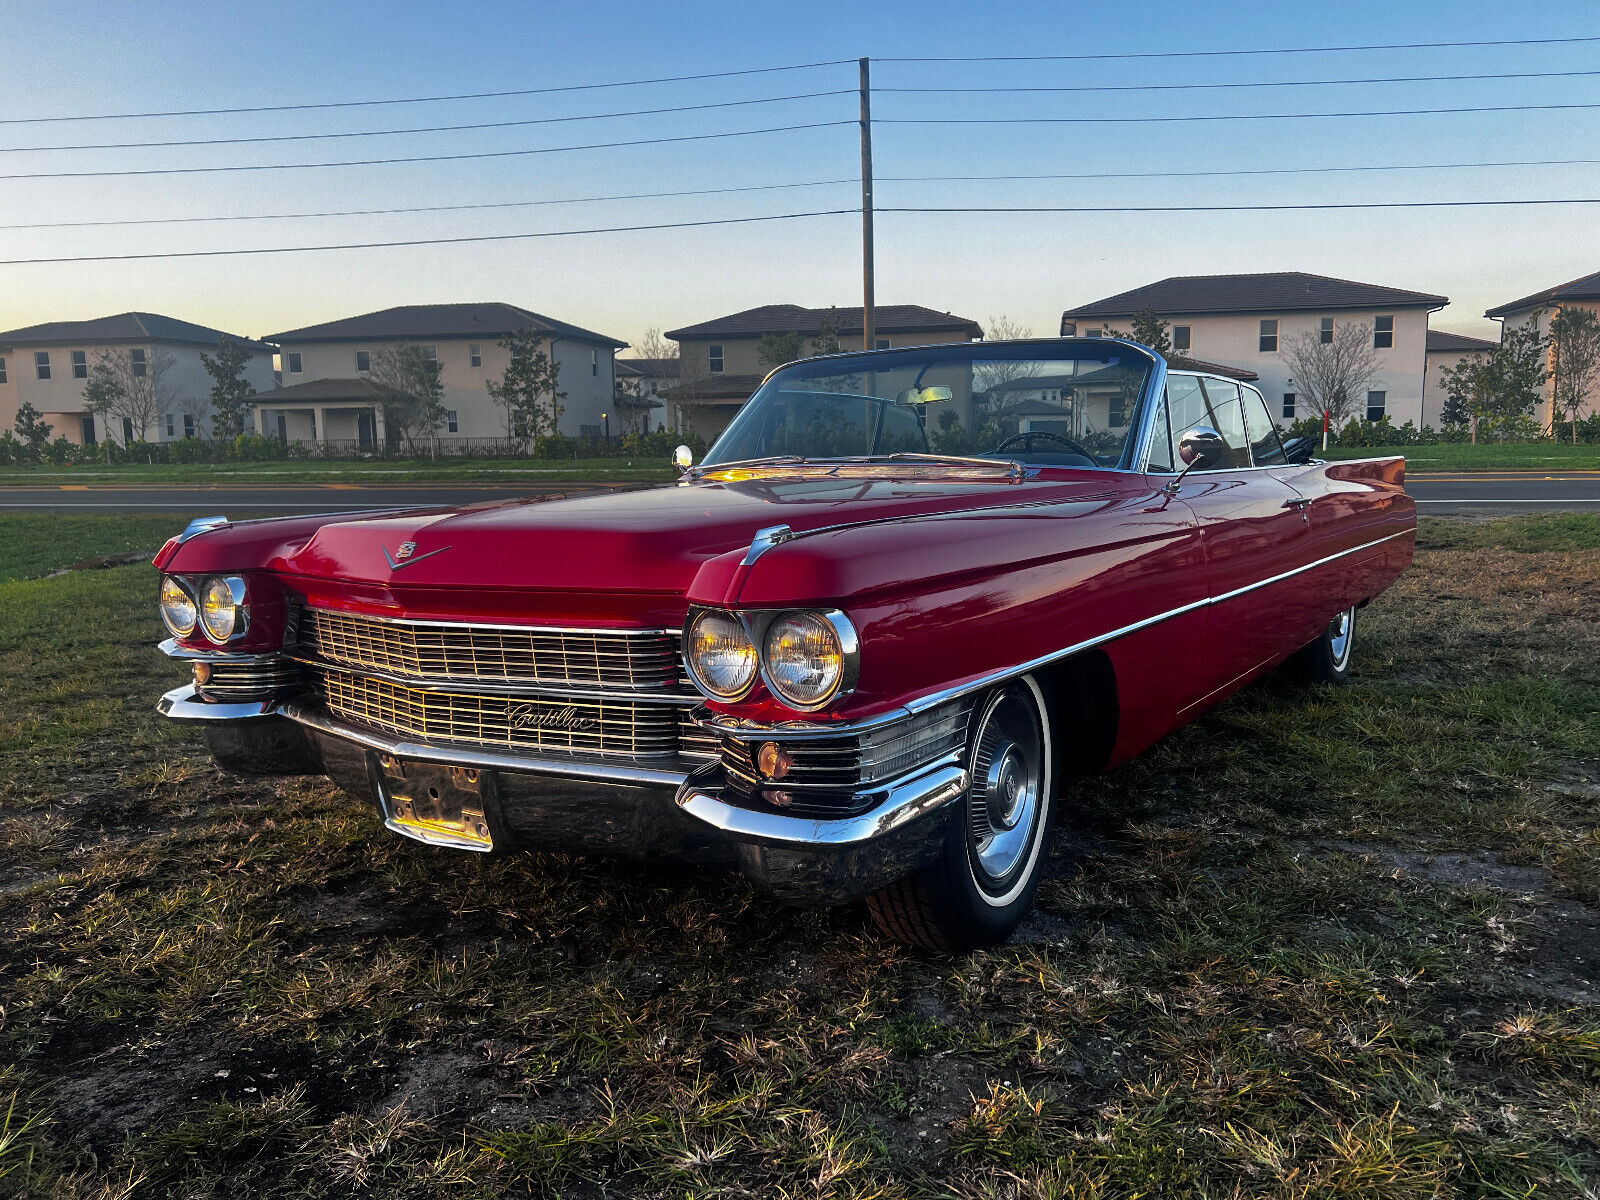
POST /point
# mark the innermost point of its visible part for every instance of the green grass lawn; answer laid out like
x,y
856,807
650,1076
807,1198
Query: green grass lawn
x,y
1531,456
497,470
1328,943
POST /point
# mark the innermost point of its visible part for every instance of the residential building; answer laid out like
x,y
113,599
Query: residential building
x,y
1445,352
464,339
641,382
48,367
1246,321
1541,307
720,359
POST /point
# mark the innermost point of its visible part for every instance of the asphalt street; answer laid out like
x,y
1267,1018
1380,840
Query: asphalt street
x,y
1479,493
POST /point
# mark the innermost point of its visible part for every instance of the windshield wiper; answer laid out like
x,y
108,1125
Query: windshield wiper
x,y
770,460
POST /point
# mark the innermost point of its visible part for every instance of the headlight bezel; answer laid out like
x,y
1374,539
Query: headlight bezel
x,y
691,664
757,624
238,608
183,589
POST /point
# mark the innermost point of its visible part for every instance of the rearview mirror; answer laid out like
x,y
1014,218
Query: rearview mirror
x,y
927,395
683,458
1202,449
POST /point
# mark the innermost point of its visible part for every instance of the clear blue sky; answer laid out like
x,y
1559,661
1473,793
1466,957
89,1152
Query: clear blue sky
x,y
68,57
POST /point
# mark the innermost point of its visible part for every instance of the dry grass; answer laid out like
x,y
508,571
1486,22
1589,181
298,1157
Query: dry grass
x,y
1338,943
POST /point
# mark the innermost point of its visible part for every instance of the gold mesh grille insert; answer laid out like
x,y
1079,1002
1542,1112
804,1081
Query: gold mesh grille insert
x,y
476,652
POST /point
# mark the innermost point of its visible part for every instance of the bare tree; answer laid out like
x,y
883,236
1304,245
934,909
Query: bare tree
x,y
1575,363
415,406
1332,375
990,377
131,388
653,345
1005,329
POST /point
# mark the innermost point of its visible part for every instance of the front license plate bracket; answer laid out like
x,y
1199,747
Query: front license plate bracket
x,y
436,803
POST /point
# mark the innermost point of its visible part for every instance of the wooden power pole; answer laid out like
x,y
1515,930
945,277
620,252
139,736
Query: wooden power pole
x,y
868,283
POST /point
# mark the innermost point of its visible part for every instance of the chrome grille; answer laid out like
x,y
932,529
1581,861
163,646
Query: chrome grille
x,y
603,658
246,679
544,724
696,740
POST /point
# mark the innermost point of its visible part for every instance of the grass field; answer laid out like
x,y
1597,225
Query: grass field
x,y
1513,456
1337,943
509,470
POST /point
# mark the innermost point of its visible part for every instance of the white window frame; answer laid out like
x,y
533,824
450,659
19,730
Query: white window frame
x,y
189,427
363,361
292,363
2,370
1378,333
451,421
41,364
594,363
1325,331
1263,335
1186,332
715,359
171,426
1291,406
474,354
881,343
139,361
80,364
1383,405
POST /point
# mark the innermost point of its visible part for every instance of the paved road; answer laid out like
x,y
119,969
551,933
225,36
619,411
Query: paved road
x,y
1437,494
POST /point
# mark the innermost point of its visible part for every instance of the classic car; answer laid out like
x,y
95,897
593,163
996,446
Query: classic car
x,y
827,656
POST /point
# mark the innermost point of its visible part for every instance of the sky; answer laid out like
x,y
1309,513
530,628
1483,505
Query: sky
x,y
67,60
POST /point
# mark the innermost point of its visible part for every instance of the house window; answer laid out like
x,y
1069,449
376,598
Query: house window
x,y
1269,336
127,431
171,426
431,353
880,343
139,363
80,364
594,362
475,355
1288,406
1325,334
1116,412
363,360
291,363
714,358
1180,337
41,363
1382,333
188,425
86,425
313,425
2,370
450,423
1376,403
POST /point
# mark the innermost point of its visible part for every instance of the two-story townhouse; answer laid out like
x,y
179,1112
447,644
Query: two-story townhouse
x,y
1247,321
720,360
641,382
327,394
1446,351
48,366
1542,307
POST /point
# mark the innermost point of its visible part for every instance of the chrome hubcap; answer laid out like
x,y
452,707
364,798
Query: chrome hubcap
x,y
1340,631
1008,778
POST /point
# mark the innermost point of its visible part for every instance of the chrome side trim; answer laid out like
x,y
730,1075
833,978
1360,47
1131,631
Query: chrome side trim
x,y
467,685
766,539
171,649
200,525
905,802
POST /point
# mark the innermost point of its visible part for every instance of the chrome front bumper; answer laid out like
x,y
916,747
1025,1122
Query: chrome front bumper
x,y
674,810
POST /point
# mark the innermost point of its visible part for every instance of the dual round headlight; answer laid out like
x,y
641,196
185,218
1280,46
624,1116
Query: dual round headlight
x,y
216,606
806,658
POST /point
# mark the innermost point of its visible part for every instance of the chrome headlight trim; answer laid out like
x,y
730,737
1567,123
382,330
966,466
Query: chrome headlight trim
x,y
849,653
185,590
738,620
239,614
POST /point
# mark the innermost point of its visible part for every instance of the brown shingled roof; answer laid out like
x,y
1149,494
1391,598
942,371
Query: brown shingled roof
x,y
1438,340
1272,291
1586,288
791,318
486,320
123,327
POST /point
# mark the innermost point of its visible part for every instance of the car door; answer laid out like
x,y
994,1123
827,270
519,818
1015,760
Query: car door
x,y
1254,535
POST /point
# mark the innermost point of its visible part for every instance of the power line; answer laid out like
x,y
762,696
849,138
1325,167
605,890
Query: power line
x,y
427,208
415,158
1250,83
1190,208
538,91
363,133
1231,53
448,241
1532,162
1302,116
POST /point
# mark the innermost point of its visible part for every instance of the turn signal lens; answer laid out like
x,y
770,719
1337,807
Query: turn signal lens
x,y
805,659
721,656
177,607
774,760
222,608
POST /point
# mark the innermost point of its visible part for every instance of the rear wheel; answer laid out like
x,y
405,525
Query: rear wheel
x,y
1327,660
978,890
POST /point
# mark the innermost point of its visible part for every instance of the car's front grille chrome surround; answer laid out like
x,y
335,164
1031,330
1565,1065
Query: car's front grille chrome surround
x,y
633,660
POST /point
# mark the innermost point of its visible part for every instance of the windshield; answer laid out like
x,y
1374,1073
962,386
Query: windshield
x,y
1071,402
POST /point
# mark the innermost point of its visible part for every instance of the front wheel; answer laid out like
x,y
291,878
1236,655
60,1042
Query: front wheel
x,y
982,884
1327,660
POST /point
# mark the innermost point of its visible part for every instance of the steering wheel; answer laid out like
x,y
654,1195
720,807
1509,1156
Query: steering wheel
x,y
1027,443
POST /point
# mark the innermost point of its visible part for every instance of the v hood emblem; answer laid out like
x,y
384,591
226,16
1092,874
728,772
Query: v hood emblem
x,y
407,559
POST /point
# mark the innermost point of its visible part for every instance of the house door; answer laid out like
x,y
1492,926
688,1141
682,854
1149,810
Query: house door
x,y
283,429
366,430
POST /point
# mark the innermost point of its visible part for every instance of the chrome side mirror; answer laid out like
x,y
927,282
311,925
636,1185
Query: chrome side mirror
x,y
683,458
1202,449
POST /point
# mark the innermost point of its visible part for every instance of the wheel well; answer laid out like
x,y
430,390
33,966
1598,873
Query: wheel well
x,y
1082,694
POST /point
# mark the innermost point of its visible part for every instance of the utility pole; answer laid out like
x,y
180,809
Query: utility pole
x,y
868,283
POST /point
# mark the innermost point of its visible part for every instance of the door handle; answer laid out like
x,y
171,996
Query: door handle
x,y
1298,502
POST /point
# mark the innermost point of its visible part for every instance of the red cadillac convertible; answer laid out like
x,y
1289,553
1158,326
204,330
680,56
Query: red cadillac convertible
x,y
845,665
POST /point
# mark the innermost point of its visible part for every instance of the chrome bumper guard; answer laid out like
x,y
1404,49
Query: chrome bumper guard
x,y
803,858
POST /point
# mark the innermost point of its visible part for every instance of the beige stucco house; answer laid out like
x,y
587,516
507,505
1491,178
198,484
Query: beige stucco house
x,y
1543,306
48,366
720,360
1245,321
326,394
1446,352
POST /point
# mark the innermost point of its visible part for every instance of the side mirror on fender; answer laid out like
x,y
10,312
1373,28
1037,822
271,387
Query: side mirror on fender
x,y
683,458
1300,450
1202,449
